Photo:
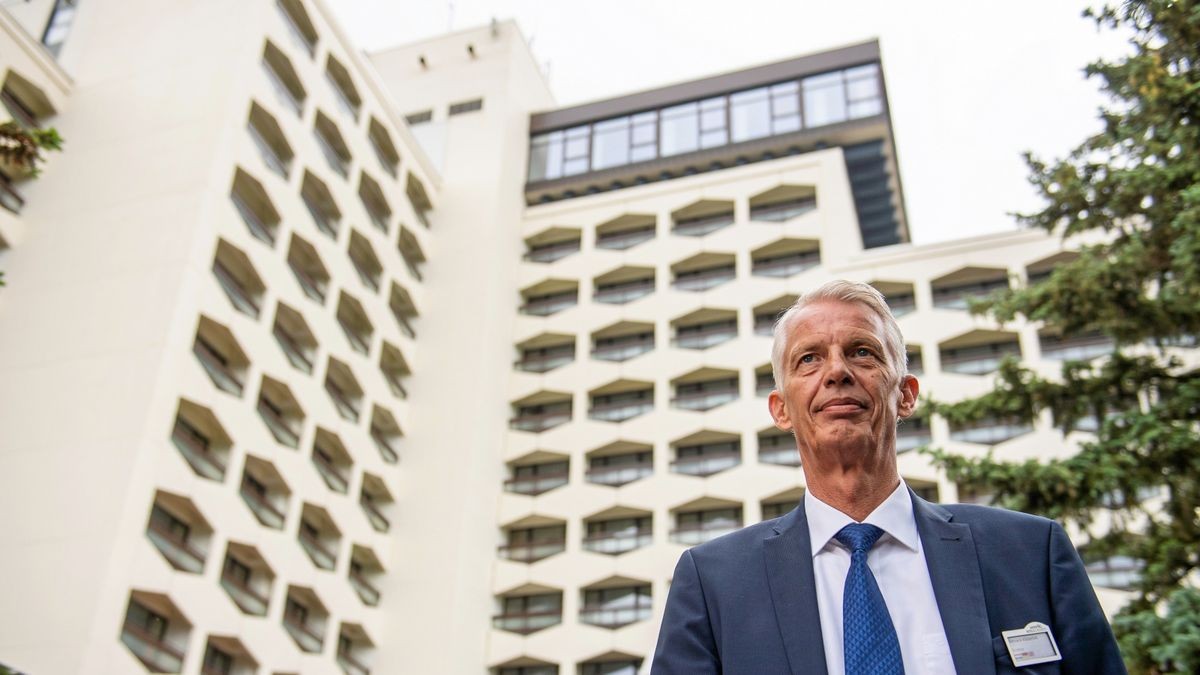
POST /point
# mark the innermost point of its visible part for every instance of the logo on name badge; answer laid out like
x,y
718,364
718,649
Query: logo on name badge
x,y
1031,645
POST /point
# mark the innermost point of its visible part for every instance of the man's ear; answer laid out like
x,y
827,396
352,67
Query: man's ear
x,y
779,411
909,388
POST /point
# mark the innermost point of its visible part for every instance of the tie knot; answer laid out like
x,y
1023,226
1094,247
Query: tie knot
x,y
859,536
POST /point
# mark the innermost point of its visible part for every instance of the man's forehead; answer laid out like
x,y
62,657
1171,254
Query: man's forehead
x,y
830,316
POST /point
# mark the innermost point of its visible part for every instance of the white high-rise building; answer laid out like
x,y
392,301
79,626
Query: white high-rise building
x,y
315,362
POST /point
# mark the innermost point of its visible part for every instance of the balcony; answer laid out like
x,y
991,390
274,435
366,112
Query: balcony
x,y
261,506
321,556
623,406
270,156
296,354
374,515
196,449
290,100
705,335
304,38
1083,347
615,543
536,484
336,161
701,396
778,449
305,635
544,359
260,228
241,298
901,304
545,305
623,348
785,265
527,622
248,599
350,664
706,463
366,592
330,473
279,426
217,367
912,434
154,651
978,359
384,445
10,199
702,225
623,239
703,279
540,418
623,292
779,212
342,401
548,253
174,546
990,431
533,551
957,295
694,535
617,475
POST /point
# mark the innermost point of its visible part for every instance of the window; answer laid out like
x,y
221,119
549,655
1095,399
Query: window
x,y
295,338
364,566
624,285
155,632
615,607
419,117
619,469
385,150
331,460
621,406
280,412
375,203
530,544
776,509
703,278
310,272
171,534
622,347
344,390
218,352
778,447
355,324
545,304
264,492
319,201
254,206
705,459
59,25
201,441
300,27
529,613
419,200
373,495
705,394
304,618
247,579
706,334
697,527
978,359
534,479
385,432
318,536
912,433
332,145
544,358
466,106
395,368
284,80
989,431
614,536
366,263
343,87
277,155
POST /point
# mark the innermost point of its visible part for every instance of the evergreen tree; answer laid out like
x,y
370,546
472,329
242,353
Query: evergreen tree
x,y
1134,189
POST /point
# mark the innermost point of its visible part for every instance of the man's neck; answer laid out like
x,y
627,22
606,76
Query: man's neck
x,y
854,493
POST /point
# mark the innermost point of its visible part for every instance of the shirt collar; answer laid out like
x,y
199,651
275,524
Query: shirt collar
x,y
894,516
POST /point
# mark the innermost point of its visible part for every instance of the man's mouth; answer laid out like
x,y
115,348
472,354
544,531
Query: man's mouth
x,y
841,405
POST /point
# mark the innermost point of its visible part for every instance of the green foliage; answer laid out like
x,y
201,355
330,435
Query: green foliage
x,y
21,147
1133,190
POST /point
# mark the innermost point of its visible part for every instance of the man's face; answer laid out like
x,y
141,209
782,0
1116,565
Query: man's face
x,y
840,395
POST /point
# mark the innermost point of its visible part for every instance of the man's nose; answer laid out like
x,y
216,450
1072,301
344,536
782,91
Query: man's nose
x,y
837,371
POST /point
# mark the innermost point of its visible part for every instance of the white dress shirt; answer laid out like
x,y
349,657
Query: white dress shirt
x,y
898,562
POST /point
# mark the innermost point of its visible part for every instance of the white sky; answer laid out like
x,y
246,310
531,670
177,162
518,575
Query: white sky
x,y
971,84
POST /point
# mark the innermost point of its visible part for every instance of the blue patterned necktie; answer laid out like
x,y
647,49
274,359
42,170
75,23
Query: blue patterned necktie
x,y
869,638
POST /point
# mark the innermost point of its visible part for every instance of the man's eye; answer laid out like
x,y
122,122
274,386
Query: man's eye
x,y
862,351
808,358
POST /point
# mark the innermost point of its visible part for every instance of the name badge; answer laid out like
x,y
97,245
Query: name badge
x,y
1031,645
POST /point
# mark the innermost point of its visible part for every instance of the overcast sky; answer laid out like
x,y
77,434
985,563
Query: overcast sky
x,y
971,84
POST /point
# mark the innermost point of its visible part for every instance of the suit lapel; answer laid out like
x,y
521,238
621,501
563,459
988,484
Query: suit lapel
x,y
958,586
788,556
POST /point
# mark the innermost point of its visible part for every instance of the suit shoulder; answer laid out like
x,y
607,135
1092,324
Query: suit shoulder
x,y
735,544
995,519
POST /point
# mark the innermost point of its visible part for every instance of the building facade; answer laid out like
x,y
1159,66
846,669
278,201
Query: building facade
x,y
315,362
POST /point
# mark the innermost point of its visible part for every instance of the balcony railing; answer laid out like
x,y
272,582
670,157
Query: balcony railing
x,y
394,383
309,284
257,226
270,156
547,253
286,96
250,600
705,338
304,635
279,426
543,360
764,324
781,456
613,617
619,411
531,551
386,161
343,98
339,164
535,485
217,368
704,400
384,446
624,239
527,622
374,515
706,464
621,293
9,197
912,434
781,211
1076,347
345,405
322,557
351,665
702,280
358,341
197,450
901,304
330,473
693,535
324,221
786,265
990,432
978,360
178,551
618,475
541,421
698,227
545,305
623,350
157,654
237,293
263,509
366,592
958,297
617,542
296,355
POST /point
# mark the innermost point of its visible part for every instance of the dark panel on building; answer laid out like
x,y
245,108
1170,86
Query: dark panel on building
x,y
878,221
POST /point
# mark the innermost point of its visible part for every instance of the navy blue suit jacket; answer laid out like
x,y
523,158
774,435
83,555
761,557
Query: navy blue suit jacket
x,y
746,603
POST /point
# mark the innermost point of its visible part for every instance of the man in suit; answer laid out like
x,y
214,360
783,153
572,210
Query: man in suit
x,y
864,576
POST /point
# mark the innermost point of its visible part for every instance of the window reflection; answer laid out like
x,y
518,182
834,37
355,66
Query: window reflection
x,y
781,108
